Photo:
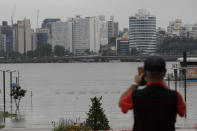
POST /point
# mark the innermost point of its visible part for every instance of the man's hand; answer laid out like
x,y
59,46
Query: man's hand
x,y
138,78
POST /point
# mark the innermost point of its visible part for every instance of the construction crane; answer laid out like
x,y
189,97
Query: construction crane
x,y
13,14
35,34
37,19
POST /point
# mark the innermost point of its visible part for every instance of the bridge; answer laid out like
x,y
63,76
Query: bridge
x,y
92,58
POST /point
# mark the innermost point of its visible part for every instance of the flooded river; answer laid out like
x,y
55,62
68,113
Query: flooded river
x,y
64,91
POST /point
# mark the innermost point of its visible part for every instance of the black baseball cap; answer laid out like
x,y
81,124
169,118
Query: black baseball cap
x,y
155,64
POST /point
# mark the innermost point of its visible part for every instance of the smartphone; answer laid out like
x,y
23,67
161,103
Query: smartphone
x,y
141,71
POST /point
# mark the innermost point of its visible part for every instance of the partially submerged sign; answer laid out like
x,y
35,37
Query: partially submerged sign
x,y
191,72
14,85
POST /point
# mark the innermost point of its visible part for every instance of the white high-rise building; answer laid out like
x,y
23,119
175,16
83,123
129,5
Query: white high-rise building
x,y
142,32
22,36
80,35
98,33
175,28
61,34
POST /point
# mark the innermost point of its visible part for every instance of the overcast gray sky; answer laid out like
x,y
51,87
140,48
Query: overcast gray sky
x,y
164,10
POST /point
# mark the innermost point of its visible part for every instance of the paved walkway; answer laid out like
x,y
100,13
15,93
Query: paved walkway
x,y
25,129
48,129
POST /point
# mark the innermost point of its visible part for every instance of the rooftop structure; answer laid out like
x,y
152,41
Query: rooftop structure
x,y
175,28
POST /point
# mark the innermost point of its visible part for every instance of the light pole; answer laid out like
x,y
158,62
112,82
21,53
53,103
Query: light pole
x,y
18,78
4,92
4,97
4,89
11,88
185,77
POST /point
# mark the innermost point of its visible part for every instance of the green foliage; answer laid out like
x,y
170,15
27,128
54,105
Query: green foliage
x,y
32,54
104,53
112,41
44,50
12,55
15,55
2,126
67,52
176,45
7,114
97,119
87,51
17,94
59,50
63,127
162,32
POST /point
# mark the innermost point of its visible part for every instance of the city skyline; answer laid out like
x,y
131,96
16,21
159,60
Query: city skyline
x,y
164,11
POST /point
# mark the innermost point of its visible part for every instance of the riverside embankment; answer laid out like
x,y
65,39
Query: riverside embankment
x,y
70,59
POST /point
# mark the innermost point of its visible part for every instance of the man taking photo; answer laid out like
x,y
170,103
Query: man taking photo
x,y
155,106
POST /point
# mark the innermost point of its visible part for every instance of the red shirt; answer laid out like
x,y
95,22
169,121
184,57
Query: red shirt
x,y
126,102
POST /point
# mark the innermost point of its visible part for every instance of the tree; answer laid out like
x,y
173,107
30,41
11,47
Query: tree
x,y
176,45
59,50
67,52
44,50
97,119
112,41
31,54
17,94
14,55
87,51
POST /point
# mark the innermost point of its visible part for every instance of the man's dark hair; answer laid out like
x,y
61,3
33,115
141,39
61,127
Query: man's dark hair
x,y
155,66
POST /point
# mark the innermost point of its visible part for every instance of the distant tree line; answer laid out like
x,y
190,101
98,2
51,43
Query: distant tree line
x,y
176,45
12,55
41,51
44,50
168,46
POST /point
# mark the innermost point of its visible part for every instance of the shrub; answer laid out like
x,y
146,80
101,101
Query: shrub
x,y
97,119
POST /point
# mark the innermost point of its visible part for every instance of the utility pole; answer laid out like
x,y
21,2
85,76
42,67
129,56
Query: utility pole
x,y
11,91
168,80
4,95
18,78
175,78
13,14
16,81
185,77
4,92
